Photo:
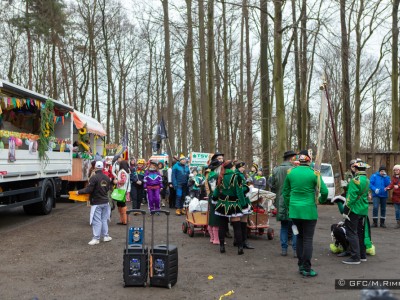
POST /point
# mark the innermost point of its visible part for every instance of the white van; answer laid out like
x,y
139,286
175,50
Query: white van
x,y
329,179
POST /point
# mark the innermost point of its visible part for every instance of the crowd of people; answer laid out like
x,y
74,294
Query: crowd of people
x,y
225,184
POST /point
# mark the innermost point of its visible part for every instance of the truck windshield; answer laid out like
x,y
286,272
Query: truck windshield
x,y
326,171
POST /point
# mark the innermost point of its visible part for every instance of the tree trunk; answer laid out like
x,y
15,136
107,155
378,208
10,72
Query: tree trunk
x,y
357,90
303,75
225,112
241,106
29,44
184,132
170,96
111,103
346,117
192,80
395,77
210,66
249,121
300,142
265,88
278,81
205,110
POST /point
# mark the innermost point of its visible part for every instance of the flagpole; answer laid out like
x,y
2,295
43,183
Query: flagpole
x,y
334,130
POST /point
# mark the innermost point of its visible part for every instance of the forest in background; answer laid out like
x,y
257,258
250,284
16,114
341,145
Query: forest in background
x,y
240,76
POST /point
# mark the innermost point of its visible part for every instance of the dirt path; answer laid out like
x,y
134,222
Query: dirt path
x,y
48,258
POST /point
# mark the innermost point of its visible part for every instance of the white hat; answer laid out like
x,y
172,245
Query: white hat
x,y
99,165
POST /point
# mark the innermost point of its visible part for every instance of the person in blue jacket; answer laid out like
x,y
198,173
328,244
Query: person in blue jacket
x,y
180,177
378,182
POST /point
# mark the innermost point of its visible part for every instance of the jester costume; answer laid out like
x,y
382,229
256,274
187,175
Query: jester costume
x,y
231,201
355,212
153,183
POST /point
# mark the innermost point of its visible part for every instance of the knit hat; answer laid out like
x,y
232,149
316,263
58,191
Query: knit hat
x,y
182,157
396,167
153,162
382,168
289,153
304,156
240,164
255,166
99,165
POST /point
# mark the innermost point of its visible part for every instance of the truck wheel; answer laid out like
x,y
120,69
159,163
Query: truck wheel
x,y
45,206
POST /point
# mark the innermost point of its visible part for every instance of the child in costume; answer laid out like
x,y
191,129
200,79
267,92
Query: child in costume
x,y
153,183
196,181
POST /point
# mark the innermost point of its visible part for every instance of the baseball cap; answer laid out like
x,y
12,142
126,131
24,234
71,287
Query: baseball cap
x,y
99,165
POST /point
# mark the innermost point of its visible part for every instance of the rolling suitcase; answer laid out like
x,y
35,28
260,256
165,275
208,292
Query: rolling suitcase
x,y
163,259
136,254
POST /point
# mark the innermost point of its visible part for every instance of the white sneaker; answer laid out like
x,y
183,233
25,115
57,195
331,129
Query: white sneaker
x,y
107,238
93,242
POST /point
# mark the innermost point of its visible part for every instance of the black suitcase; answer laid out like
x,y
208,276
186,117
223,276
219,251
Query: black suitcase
x,y
136,255
163,259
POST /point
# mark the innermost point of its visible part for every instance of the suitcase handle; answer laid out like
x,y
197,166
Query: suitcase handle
x,y
167,213
143,212
160,211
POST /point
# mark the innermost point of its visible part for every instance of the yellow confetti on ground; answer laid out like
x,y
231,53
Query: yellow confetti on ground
x,y
210,277
230,293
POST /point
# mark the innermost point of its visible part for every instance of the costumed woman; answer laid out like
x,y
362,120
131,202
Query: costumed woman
x,y
231,203
240,167
123,182
211,174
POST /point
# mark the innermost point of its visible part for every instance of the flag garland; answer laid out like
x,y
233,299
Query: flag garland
x,y
13,102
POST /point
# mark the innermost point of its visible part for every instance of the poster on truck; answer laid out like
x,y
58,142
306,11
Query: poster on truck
x,y
198,159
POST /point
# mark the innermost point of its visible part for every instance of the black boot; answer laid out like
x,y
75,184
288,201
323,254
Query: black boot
x,y
246,244
237,231
383,223
375,222
221,236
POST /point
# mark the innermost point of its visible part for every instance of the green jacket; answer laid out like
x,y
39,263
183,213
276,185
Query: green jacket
x,y
299,193
231,186
357,194
278,179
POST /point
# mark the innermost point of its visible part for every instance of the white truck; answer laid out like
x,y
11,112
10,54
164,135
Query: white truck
x,y
26,178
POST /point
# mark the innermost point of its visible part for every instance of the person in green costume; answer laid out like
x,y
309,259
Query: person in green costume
x,y
231,203
340,246
211,175
354,212
299,196
240,168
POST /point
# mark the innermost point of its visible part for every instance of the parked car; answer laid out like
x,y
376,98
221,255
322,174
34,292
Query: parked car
x,y
329,179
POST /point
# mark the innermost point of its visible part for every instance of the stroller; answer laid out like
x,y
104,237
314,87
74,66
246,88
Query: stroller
x,y
258,221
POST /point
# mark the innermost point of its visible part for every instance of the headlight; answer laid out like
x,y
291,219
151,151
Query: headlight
x,y
330,185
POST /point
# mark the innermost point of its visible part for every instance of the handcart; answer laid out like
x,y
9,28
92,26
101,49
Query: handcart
x,y
258,221
196,217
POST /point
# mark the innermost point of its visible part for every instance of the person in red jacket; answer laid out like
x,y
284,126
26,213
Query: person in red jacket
x,y
395,186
